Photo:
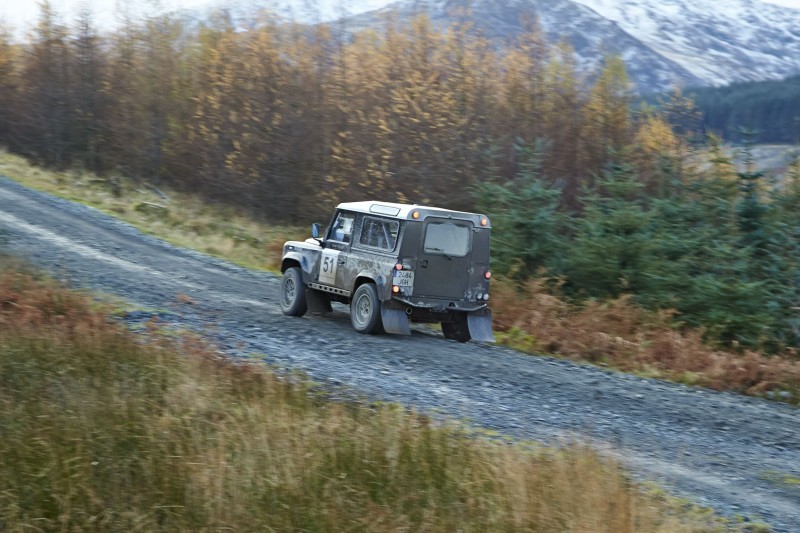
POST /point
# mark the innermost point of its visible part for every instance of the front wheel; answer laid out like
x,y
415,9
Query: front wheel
x,y
365,310
293,293
457,329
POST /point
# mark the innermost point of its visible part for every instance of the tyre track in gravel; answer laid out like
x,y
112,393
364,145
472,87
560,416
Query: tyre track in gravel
x,y
736,454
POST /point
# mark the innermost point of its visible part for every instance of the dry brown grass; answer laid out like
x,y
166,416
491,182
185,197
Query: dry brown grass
x,y
106,431
619,334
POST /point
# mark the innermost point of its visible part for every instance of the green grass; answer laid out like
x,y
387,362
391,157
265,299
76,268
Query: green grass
x,y
105,430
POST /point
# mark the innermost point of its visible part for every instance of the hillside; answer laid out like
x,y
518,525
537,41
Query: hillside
x,y
680,43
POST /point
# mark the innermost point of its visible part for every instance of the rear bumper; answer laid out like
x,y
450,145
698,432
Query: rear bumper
x,y
434,305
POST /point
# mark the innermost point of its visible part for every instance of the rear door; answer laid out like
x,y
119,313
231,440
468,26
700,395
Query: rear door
x,y
444,259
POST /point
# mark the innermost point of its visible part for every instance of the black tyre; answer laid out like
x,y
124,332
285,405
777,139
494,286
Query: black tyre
x,y
293,293
457,329
365,310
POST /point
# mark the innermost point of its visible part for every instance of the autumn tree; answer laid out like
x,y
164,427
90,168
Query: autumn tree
x,y
45,131
86,91
9,86
606,115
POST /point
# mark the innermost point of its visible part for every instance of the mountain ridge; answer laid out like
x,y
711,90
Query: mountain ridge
x,y
664,43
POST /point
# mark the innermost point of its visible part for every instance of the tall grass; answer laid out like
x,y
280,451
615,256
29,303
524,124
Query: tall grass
x,y
102,430
626,337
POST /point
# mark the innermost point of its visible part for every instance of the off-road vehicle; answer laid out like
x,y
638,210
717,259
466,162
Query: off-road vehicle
x,y
394,264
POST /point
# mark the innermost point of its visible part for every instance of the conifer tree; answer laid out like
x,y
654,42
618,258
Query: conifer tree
x,y
529,230
612,250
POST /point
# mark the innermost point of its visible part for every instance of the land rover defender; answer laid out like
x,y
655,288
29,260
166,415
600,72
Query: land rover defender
x,y
394,264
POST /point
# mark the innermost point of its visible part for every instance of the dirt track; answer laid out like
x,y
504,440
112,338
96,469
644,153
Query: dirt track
x,y
739,455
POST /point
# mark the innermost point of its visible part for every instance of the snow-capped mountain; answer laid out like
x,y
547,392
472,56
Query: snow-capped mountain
x,y
719,42
664,43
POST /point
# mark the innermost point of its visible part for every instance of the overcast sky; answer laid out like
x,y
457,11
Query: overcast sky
x,y
21,14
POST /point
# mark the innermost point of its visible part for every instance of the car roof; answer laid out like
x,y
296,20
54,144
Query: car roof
x,y
401,211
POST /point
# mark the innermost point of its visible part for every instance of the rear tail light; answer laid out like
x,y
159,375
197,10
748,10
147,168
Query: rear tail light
x,y
488,275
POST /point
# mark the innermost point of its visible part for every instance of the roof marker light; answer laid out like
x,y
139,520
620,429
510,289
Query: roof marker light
x,y
484,221
415,215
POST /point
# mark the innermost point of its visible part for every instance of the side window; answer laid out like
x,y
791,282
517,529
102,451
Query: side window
x,y
342,229
379,233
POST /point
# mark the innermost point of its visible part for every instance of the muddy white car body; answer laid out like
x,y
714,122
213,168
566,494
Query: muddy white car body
x,y
395,264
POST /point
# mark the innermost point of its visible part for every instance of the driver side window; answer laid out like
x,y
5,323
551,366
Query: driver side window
x,y
342,229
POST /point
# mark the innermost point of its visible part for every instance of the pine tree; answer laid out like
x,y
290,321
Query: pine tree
x,y
612,250
529,231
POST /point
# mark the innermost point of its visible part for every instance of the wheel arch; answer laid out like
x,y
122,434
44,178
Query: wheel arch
x,y
289,262
379,281
362,279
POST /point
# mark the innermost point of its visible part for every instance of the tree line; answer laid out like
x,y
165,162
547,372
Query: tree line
x,y
584,183
285,119
771,107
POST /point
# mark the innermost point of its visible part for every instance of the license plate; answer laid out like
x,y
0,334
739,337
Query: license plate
x,y
403,278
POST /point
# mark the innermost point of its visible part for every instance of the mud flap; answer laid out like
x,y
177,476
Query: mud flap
x,y
395,321
318,302
480,326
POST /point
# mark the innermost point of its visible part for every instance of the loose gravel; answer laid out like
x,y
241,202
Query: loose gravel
x,y
738,455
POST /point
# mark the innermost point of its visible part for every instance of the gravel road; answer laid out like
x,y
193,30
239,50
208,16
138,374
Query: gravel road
x,y
738,455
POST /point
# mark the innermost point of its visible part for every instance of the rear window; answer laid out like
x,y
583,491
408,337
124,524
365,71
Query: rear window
x,y
447,238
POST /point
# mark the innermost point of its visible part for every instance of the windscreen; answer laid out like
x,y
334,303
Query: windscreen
x,y
447,238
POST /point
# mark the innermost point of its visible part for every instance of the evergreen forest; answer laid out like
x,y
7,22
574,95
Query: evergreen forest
x,y
586,186
772,108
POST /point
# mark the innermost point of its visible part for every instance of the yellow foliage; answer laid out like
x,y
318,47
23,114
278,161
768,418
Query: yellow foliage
x,y
655,135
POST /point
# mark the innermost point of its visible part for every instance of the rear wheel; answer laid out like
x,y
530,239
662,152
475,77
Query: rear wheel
x,y
293,293
365,310
457,329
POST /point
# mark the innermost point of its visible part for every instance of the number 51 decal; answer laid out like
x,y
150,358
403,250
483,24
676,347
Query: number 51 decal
x,y
327,267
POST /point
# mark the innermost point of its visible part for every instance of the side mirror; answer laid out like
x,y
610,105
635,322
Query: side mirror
x,y
315,231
